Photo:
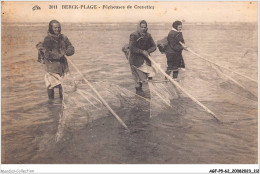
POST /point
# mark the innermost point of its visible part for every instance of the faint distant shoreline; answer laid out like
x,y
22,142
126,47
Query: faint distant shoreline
x,y
127,23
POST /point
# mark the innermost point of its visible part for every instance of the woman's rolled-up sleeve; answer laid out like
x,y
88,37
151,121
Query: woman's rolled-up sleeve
x,y
153,46
70,50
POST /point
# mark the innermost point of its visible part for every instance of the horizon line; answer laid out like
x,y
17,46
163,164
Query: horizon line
x,y
130,22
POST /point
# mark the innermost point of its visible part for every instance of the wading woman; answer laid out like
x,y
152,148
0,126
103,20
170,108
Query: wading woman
x,y
141,45
174,50
53,51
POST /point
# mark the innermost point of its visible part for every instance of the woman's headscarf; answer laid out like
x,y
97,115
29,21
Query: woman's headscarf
x,y
50,26
139,26
176,24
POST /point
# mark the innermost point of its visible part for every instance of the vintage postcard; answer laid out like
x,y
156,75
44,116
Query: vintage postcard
x,y
135,82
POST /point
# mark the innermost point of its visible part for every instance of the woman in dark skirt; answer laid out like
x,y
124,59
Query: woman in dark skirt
x,y
174,50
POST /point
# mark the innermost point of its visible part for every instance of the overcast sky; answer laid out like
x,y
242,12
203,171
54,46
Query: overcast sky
x,y
238,11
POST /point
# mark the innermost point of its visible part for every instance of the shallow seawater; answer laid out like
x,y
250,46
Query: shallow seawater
x,y
38,131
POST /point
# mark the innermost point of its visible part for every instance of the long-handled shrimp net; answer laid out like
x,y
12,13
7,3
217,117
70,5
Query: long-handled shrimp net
x,y
82,106
85,101
213,87
163,98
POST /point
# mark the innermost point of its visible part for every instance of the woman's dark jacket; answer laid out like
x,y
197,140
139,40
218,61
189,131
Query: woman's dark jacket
x,y
174,51
56,49
174,38
137,44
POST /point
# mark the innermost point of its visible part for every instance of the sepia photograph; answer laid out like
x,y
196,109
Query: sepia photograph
x,y
134,82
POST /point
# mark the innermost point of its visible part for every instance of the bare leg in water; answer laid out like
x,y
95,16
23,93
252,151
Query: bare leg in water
x,y
50,93
60,91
